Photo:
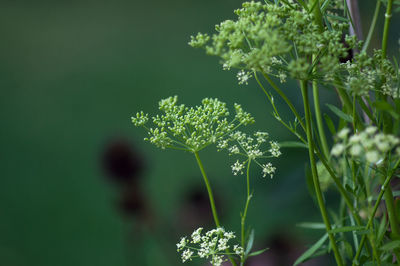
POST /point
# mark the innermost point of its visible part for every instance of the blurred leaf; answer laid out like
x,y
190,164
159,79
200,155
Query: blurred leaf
x,y
340,113
330,124
309,252
381,230
310,183
347,229
348,249
250,243
386,107
258,252
391,245
293,144
310,225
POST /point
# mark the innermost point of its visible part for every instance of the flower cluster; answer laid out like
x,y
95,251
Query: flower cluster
x,y
210,245
365,74
369,145
253,148
277,37
194,128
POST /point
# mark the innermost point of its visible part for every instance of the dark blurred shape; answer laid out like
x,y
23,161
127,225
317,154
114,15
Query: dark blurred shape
x,y
121,162
196,210
124,166
350,52
132,202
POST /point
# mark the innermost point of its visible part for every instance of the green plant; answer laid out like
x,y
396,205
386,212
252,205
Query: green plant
x,y
308,41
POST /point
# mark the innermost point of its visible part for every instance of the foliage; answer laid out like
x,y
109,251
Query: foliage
x,y
308,41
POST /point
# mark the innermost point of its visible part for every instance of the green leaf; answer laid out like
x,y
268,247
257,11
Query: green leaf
x,y
385,106
348,249
309,252
340,113
391,245
258,252
309,225
365,108
293,144
330,124
250,242
347,229
381,230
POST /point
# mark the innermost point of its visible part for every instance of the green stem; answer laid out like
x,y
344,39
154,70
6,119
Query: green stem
x,y
314,172
318,117
211,197
388,16
286,99
377,203
210,194
394,225
248,197
372,27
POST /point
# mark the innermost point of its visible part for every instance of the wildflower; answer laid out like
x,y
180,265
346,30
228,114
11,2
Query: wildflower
x,y
268,169
252,147
182,243
187,255
196,235
211,244
262,37
369,145
192,129
243,77
237,167
238,250
274,149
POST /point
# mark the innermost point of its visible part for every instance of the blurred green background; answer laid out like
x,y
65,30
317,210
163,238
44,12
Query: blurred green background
x,y
72,73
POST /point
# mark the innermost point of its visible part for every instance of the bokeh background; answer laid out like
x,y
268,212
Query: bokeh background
x,y
78,186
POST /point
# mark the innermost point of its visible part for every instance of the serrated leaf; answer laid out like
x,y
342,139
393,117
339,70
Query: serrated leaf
x,y
340,113
391,245
293,144
309,252
310,225
258,252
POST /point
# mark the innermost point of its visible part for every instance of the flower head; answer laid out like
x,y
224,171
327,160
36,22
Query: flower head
x,y
192,128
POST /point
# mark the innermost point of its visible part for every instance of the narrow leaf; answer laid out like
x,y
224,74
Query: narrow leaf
x,y
391,245
340,113
250,242
309,225
258,252
293,144
347,229
309,252
330,124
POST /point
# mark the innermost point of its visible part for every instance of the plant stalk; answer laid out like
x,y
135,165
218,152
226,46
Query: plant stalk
x,y
320,200
211,197
248,197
